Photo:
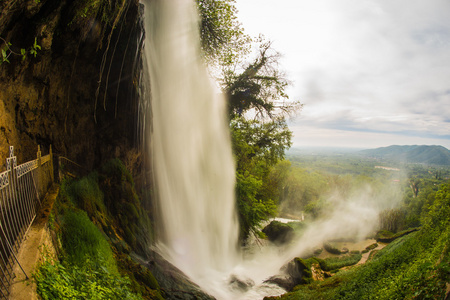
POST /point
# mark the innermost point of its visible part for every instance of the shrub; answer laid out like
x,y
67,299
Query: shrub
x,y
57,281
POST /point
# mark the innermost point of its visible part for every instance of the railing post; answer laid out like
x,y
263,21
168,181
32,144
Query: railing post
x,y
39,156
39,186
52,171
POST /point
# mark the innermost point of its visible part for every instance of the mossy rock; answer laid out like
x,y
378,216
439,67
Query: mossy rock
x,y
305,269
385,236
142,279
123,203
318,251
371,247
331,248
278,232
295,272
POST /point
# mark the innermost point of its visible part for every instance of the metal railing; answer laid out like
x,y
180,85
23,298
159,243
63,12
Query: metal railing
x,y
21,188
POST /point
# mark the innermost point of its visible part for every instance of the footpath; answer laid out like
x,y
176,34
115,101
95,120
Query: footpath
x,y
37,237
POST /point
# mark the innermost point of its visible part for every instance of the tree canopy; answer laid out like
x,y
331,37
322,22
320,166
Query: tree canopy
x,y
222,37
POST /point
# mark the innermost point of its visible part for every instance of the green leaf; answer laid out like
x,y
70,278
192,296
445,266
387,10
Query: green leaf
x,y
35,45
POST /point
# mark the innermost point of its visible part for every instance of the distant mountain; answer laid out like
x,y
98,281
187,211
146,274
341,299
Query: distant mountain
x,y
431,155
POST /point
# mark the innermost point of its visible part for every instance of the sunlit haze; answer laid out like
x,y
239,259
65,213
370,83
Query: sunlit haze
x,y
369,73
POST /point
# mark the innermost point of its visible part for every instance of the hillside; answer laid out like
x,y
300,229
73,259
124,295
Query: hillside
x,y
431,155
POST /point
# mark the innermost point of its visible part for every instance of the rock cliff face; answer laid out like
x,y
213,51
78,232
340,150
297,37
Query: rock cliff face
x,y
79,93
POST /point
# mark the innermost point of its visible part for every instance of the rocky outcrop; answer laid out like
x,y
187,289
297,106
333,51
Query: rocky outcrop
x,y
174,284
278,232
78,93
292,274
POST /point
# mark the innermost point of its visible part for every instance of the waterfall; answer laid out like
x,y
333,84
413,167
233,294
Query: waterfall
x,y
191,147
192,160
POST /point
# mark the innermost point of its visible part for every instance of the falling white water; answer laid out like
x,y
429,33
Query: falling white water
x,y
191,146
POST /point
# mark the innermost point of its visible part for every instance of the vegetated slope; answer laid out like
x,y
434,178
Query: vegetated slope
x,y
416,266
433,155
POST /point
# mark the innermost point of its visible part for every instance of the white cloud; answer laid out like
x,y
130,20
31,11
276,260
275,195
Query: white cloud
x,y
373,66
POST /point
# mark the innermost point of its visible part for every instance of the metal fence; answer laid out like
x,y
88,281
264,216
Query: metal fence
x,y
21,189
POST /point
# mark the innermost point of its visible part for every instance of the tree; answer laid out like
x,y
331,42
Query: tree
x,y
259,85
222,37
257,147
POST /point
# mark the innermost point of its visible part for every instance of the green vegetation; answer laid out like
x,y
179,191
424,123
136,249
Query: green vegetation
x,y
415,266
98,221
370,248
88,270
82,241
278,232
7,50
88,281
128,214
222,36
385,236
304,266
335,263
331,248
257,146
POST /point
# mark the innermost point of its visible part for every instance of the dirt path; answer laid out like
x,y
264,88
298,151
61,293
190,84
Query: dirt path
x,y
365,256
29,253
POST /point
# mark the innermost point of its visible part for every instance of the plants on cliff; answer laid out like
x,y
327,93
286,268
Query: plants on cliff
x,y
124,205
85,193
88,268
82,240
7,51
55,280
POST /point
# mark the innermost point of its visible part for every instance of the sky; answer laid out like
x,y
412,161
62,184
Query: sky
x,y
370,73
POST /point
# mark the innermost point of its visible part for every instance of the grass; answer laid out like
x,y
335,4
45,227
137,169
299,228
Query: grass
x,y
87,267
82,241
85,194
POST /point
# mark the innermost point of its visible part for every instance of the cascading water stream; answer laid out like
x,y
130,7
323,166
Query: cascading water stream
x,y
192,157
